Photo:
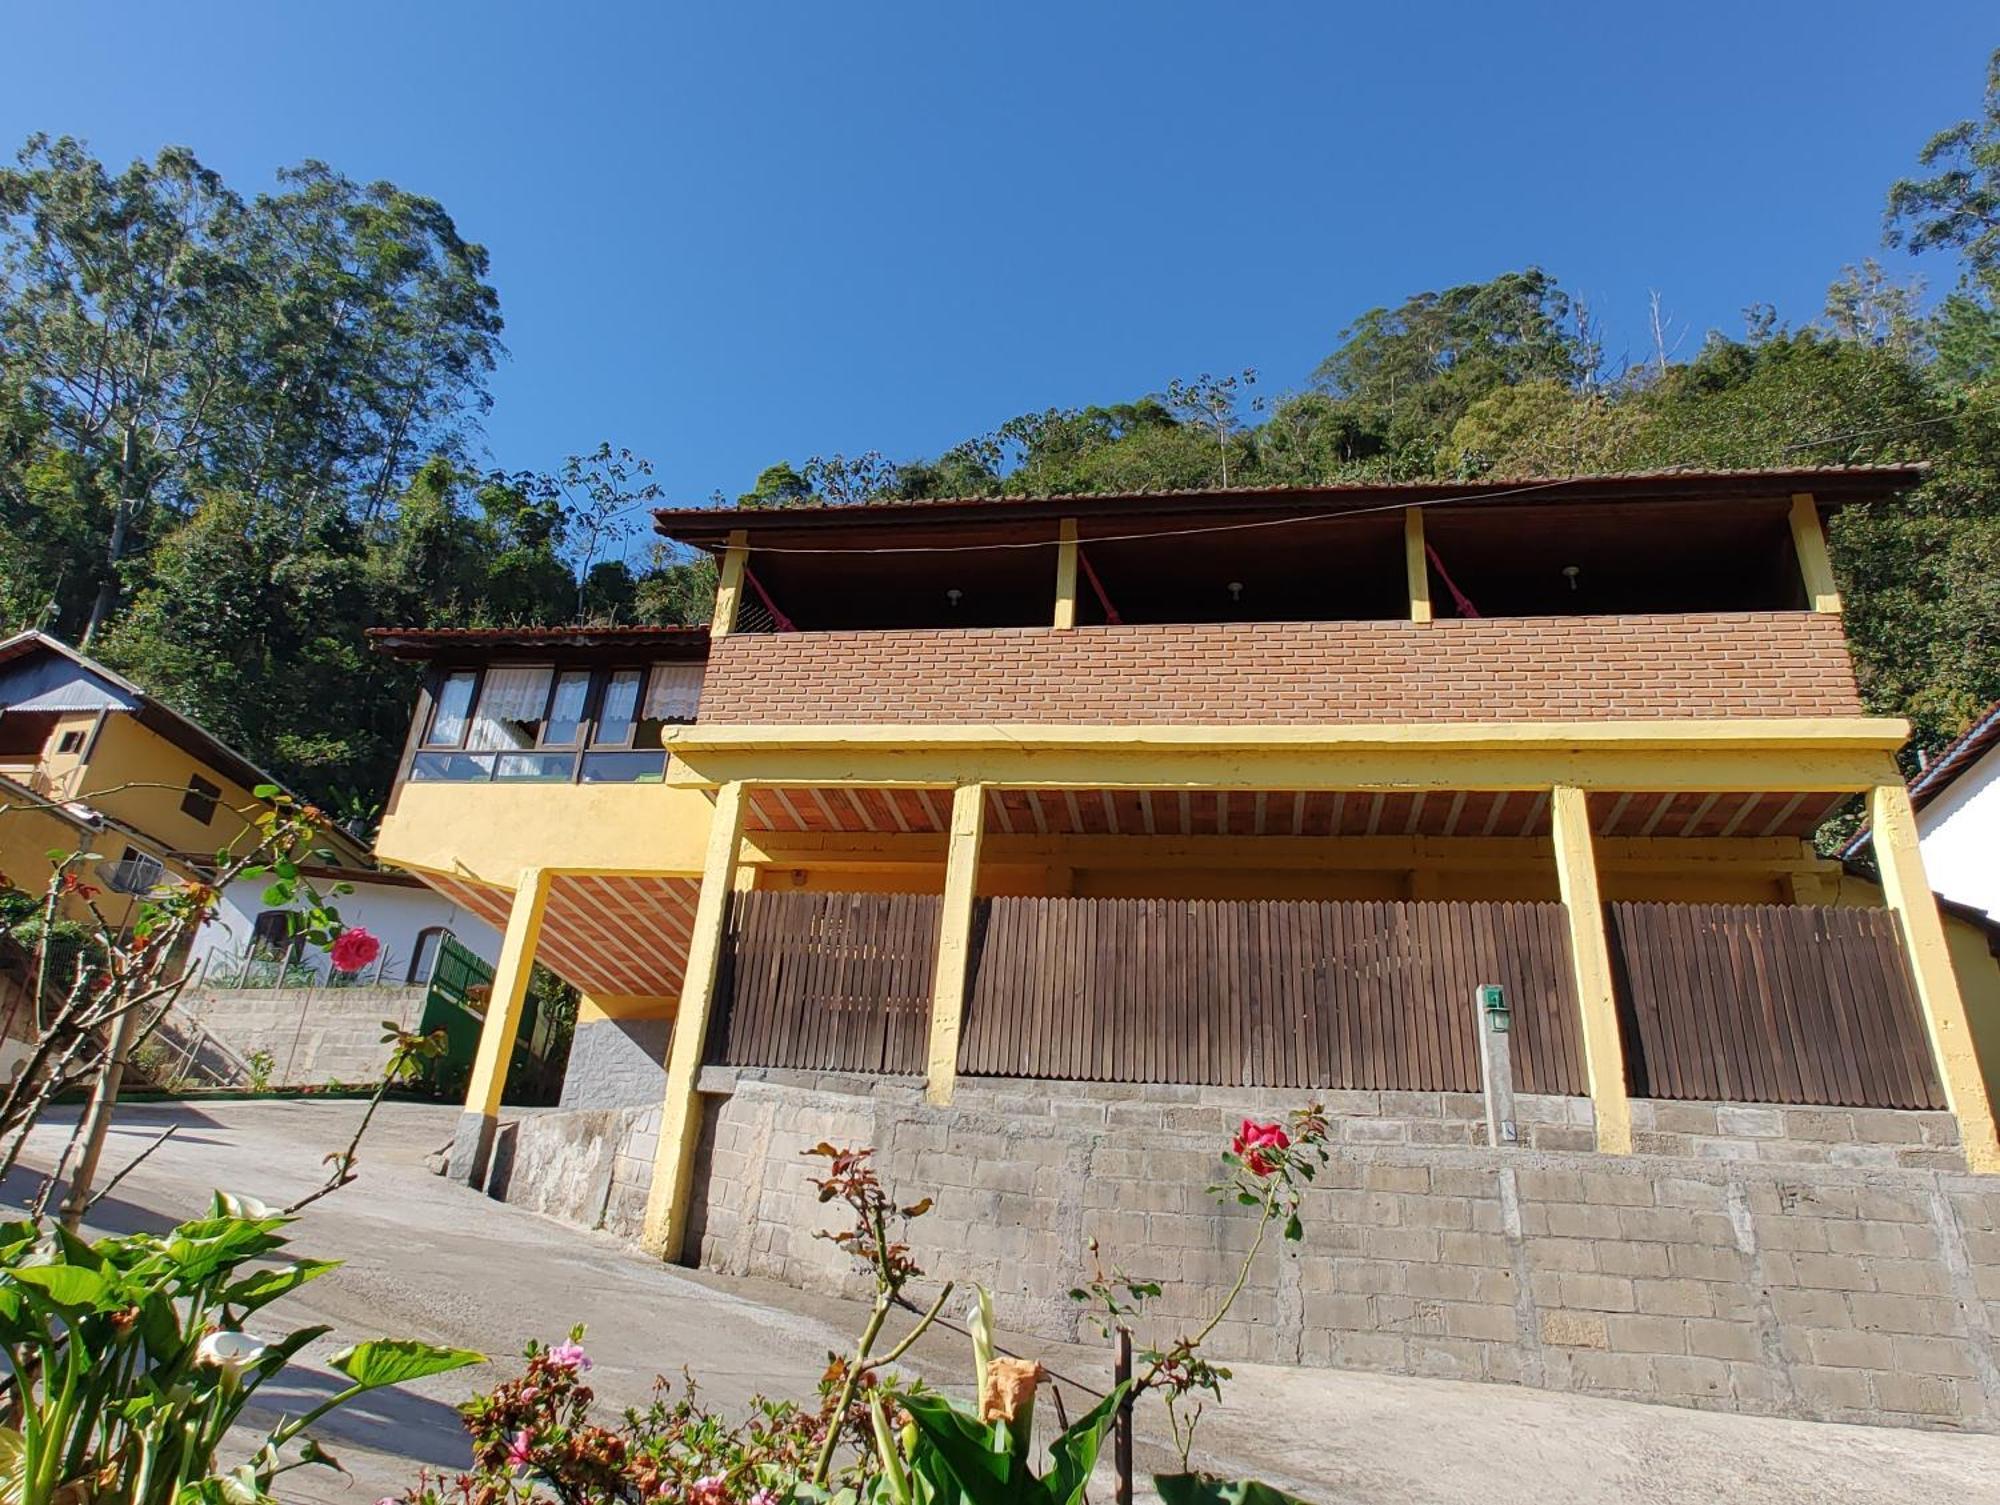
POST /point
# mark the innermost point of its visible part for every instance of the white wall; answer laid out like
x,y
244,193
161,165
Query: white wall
x,y
1960,836
393,913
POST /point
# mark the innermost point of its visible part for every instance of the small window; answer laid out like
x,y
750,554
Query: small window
x,y
424,960
199,801
271,936
564,726
618,713
453,709
72,742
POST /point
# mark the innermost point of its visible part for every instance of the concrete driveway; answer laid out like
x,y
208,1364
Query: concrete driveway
x,y
428,1260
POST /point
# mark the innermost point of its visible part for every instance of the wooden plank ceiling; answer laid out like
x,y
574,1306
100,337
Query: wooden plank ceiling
x,y
1170,812
612,937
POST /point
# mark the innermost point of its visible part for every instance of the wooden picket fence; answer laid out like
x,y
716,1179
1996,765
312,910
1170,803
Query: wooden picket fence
x,y
1771,1003
1267,993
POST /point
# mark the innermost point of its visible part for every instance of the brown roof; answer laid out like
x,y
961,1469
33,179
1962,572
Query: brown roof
x,y
1831,485
425,643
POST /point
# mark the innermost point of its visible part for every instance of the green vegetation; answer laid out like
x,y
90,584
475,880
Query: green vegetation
x,y
234,432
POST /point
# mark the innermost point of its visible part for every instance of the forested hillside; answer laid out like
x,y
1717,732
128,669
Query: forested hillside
x,y
235,431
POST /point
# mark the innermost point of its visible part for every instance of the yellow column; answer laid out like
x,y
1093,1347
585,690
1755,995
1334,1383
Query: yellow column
x,y
729,586
1893,828
1590,960
954,952
1417,563
1066,575
472,1142
1815,564
680,1108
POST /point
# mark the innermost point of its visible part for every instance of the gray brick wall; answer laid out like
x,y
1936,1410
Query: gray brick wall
x,y
313,1035
1717,1278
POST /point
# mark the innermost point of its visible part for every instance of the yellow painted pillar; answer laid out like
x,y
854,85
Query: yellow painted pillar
x,y
1893,829
1590,961
1416,561
680,1108
472,1141
1815,564
954,952
1066,575
729,585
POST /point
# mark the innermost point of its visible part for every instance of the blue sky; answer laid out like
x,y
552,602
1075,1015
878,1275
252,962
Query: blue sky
x,y
730,234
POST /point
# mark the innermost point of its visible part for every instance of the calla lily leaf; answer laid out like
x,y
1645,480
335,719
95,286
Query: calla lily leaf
x,y
392,1361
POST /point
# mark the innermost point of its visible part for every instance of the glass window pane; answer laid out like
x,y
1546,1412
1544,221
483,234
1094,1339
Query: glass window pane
x,y
454,703
566,709
621,705
624,767
511,706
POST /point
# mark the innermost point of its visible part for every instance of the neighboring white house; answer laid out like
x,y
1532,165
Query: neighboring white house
x,y
405,915
1957,799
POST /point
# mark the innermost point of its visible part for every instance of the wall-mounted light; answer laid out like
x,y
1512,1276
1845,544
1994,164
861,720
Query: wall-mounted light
x,y
1236,590
1570,572
954,596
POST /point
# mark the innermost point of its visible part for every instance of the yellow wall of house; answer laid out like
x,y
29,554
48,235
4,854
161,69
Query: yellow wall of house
x,y
28,835
489,832
591,1009
138,777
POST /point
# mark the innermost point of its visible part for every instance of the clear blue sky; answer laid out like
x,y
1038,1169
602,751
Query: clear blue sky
x,y
729,234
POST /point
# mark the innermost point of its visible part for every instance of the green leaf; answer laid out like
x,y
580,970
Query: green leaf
x,y
391,1361
966,1448
1206,1489
265,792
265,1286
278,894
1074,1454
66,1286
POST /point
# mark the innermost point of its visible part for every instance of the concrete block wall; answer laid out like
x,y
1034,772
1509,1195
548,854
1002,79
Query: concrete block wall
x,y
313,1035
591,1167
1839,1292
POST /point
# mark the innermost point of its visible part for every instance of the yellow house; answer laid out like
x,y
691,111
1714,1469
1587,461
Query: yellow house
x,y
1238,787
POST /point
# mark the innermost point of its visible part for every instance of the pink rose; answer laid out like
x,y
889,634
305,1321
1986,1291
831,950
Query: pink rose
x,y
520,1449
353,949
1253,1137
569,1355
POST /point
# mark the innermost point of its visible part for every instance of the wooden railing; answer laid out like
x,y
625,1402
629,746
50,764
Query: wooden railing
x,y
1267,993
827,982
1771,1003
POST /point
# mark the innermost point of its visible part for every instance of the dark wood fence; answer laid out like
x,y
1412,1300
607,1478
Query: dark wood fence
x,y
1771,1003
827,982
1267,993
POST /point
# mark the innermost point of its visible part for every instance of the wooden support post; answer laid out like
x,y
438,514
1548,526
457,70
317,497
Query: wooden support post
x,y
954,952
1066,575
1590,962
472,1142
680,1106
1893,828
729,585
1416,561
1815,564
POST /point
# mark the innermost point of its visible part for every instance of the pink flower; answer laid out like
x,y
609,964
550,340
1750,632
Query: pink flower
x,y
520,1449
711,1489
764,1497
1253,1137
353,949
569,1354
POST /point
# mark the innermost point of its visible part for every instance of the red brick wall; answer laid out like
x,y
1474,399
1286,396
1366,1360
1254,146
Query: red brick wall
x,y
1519,669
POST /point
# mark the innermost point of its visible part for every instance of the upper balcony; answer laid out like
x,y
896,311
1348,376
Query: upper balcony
x,y
1675,596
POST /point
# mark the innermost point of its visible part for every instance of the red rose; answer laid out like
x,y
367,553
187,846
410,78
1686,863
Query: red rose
x,y
1253,1137
353,949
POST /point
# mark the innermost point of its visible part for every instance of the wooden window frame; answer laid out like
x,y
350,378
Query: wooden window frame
x,y
439,678
600,689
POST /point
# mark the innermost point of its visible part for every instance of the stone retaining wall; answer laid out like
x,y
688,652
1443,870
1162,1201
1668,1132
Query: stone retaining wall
x,y
1835,1291
312,1035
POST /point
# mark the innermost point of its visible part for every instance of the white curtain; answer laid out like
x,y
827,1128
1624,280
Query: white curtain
x,y
513,695
673,693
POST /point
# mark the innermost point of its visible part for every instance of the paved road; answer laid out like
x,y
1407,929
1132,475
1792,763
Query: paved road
x,y
428,1260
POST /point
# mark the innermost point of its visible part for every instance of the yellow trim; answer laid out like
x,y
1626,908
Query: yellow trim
x,y
511,974
680,1106
954,950
1066,576
590,1009
1417,564
1815,563
1893,826
1590,958
729,584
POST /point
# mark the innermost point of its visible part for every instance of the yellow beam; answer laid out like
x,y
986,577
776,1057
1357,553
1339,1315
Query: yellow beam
x,y
1893,828
1815,564
1590,960
1066,576
729,584
472,1142
954,952
680,1107
1417,563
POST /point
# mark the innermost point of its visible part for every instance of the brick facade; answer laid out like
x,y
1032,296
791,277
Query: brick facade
x,y
1744,664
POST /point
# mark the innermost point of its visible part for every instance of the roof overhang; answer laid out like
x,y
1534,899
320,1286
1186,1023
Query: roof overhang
x,y
481,644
